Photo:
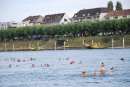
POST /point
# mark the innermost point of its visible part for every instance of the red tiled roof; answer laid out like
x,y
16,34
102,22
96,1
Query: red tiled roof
x,y
118,13
31,18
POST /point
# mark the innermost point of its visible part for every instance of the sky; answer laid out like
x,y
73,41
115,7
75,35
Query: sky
x,y
17,10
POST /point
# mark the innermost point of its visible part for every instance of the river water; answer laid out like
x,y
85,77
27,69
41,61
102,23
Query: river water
x,y
61,73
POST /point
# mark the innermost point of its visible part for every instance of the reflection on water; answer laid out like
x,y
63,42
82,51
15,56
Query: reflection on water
x,y
61,73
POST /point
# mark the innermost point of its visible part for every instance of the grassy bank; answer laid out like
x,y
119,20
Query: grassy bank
x,y
72,41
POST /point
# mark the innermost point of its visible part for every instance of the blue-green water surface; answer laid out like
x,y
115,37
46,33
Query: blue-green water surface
x,y
61,73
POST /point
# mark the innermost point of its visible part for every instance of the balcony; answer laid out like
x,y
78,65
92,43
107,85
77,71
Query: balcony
x,y
76,21
88,19
96,19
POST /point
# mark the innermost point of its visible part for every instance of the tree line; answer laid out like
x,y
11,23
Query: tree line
x,y
117,7
119,26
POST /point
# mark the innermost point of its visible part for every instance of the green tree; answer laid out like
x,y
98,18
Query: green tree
x,y
110,5
118,6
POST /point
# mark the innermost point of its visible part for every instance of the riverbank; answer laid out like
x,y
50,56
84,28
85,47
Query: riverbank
x,y
72,42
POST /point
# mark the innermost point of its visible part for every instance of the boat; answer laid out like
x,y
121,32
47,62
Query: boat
x,y
95,46
40,48
67,46
31,48
88,46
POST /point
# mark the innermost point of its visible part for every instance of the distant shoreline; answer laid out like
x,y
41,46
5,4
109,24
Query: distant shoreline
x,y
79,48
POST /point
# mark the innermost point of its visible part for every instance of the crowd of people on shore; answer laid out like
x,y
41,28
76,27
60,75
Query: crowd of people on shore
x,y
84,74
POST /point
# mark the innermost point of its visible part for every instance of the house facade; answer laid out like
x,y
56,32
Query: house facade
x,y
32,20
55,19
118,14
14,24
88,15
4,25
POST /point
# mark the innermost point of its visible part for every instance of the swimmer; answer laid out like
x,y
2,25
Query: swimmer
x,y
24,60
16,65
80,62
102,70
31,58
102,65
95,74
112,69
67,58
84,74
72,62
18,60
122,59
9,65
47,65
32,65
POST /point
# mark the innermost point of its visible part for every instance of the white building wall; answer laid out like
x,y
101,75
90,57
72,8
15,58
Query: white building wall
x,y
30,24
65,22
16,24
101,17
127,16
25,23
4,25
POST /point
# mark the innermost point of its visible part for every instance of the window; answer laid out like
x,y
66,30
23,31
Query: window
x,y
97,16
82,19
88,17
124,16
83,14
107,18
115,17
65,20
